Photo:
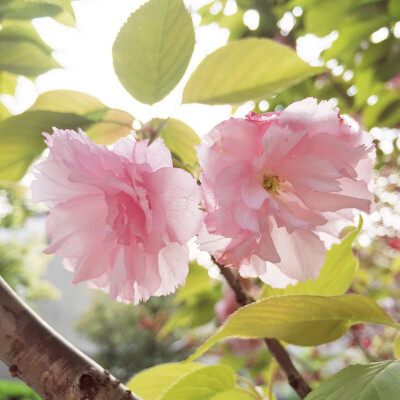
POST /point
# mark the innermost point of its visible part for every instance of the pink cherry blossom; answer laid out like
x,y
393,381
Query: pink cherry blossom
x,y
120,218
279,187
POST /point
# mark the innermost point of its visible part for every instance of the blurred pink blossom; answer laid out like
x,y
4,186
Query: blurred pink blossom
x,y
279,187
223,309
394,83
120,218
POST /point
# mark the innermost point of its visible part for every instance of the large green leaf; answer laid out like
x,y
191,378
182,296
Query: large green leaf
x,y
109,124
21,139
374,381
202,384
151,383
247,69
335,276
153,49
300,319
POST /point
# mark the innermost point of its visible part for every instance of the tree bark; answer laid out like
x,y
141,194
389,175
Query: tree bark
x,y
45,361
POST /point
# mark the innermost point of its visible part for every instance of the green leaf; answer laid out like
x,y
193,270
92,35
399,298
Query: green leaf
x,y
233,395
22,31
109,124
153,49
374,381
300,319
25,9
24,57
247,69
179,138
63,4
151,383
14,390
207,381
336,274
4,112
397,347
197,281
64,109
8,83
352,34
21,139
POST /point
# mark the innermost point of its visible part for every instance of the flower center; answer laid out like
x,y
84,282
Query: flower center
x,y
271,184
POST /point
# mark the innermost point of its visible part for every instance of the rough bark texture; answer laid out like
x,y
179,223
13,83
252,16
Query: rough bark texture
x,y
40,357
296,381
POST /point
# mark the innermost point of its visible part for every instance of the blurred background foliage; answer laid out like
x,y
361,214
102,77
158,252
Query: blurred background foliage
x,y
357,43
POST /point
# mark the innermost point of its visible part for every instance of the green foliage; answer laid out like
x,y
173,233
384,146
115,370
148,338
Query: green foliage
x,y
226,77
234,22
189,382
22,266
15,205
336,274
375,381
126,335
153,49
16,391
19,149
195,302
300,319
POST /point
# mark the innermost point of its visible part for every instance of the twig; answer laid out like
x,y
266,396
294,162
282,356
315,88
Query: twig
x,y
296,381
45,361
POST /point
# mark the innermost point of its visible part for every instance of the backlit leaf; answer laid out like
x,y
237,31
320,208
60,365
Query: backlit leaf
x,y
153,49
300,319
247,69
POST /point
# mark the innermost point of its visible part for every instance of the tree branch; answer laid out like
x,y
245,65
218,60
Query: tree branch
x,y
296,381
45,361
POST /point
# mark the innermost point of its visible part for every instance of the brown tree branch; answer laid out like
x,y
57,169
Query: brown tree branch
x,y
45,361
296,381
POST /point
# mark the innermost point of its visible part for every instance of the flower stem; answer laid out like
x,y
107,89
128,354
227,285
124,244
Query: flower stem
x,y
45,361
296,381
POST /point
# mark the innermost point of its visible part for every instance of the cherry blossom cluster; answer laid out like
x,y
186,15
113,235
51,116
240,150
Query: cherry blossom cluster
x,y
277,188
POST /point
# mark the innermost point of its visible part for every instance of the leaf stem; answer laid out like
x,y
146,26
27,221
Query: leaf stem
x,y
296,381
